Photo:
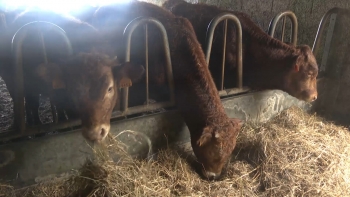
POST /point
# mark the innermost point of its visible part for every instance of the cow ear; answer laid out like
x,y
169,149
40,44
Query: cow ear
x,y
128,73
52,74
206,136
296,67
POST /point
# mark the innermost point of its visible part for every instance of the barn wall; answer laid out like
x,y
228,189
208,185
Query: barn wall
x,y
309,13
334,92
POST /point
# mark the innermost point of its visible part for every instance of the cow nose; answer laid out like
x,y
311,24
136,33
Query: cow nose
x,y
313,97
103,133
210,175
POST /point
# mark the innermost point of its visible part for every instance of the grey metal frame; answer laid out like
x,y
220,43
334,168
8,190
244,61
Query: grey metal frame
x,y
294,25
21,130
17,51
321,27
169,71
209,41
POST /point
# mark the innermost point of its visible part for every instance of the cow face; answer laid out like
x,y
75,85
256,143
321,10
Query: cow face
x,y
92,82
214,147
300,80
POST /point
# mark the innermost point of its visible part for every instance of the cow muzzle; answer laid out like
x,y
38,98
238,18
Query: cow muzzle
x,y
211,175
96,134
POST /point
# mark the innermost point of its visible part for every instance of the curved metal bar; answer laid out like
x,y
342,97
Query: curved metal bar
x,y
16,48
294,20
209,41
128,31
321,26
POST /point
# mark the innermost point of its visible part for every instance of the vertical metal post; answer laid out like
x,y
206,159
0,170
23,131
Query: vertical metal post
x,y
19,116
284,20
223,56
146,58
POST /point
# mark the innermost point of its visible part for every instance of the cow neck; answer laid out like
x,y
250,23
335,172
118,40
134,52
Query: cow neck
x,y
268,60
197,96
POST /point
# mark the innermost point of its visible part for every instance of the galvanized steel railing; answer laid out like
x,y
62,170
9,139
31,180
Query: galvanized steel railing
x,y
321,26
294,25
16,47
169,71
22,130
209,41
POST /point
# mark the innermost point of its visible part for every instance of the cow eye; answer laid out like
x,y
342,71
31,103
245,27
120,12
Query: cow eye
x,y
110,89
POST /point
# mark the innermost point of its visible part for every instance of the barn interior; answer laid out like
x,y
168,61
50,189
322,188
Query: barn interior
x,y
41,156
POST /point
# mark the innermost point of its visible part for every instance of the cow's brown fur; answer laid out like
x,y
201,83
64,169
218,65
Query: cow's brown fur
x,y
92,81
213,133
267,62
80,34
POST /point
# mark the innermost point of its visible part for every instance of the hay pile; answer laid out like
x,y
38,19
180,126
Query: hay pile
x,y
294,154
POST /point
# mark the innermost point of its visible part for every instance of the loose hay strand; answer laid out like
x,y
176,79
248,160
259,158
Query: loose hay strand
x,y
294,154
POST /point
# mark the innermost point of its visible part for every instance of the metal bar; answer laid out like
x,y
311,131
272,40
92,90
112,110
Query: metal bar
x,y
18,100
223,56
321,26
150,107
292,17
146,53
233,91
209,41
328,41
284,20
16,48
39,129
169,71
46,128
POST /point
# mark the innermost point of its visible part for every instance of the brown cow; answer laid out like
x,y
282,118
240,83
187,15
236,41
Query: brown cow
x,y
78,33
89,80
267,62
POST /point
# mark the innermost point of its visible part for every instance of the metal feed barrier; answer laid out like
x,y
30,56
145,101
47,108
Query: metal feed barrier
x,y
17,41
328,103
21,130
169,71
294,25
331,15
209,41
125,109
64,152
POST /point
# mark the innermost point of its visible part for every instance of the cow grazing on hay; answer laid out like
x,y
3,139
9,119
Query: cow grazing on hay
x,y
89,80
80,36
267,62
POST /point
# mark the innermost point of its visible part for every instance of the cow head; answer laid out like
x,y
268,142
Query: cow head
x,y
300,80
214,147
92,82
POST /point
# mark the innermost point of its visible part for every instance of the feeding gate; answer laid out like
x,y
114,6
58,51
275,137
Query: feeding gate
x,y
331,70
69,148
294,26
